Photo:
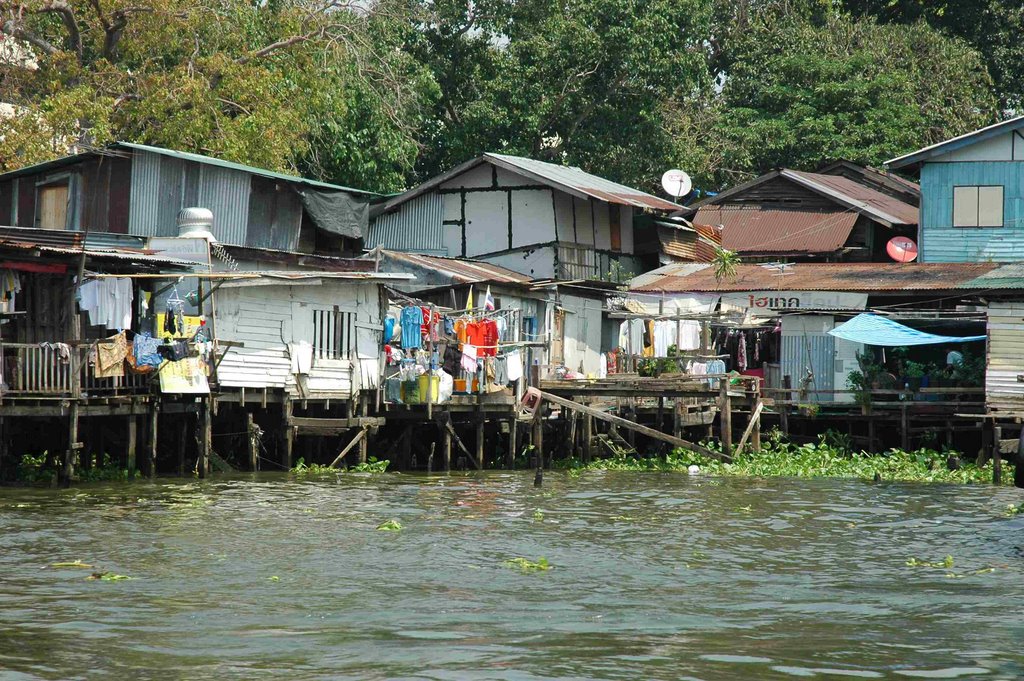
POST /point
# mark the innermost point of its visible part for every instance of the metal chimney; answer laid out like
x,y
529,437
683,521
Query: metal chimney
x,y
196,223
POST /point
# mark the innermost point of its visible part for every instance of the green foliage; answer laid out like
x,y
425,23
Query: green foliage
x,y
390,526
526,565
822,459
725,263
303,468
801,91
372,465
946,562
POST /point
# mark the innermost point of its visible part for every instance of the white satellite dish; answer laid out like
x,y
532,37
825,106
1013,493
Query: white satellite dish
x,y
676,183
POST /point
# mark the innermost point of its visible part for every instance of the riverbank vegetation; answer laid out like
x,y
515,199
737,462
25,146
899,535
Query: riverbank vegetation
x,y
373,465
41,469
829,457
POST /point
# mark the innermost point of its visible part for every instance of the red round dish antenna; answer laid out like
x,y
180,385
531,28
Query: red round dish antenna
x,y
901,249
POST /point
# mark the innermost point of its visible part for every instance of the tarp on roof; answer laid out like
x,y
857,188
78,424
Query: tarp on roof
x,y
337,212
874,330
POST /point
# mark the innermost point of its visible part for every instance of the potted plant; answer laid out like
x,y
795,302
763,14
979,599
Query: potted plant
x,y
913,374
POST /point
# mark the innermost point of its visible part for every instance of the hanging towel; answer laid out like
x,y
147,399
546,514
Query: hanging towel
x,y
302,357
110,356
469,358
514,361
389,329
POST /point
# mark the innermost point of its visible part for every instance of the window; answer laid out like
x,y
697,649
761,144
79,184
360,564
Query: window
x,y
53,206
332,334
978,206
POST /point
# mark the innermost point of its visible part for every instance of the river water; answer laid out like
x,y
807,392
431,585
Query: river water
x,y
654,576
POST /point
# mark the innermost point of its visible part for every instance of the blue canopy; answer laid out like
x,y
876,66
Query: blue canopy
x,y
874,330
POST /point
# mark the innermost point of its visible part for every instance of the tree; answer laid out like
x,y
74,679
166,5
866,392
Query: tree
x,y
245,81
593,83
993,27
798,93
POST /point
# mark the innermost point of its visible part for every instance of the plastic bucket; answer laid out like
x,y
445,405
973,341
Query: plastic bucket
x,y
435,388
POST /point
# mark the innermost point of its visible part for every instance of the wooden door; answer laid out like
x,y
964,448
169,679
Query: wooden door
x,y
53,206
615,227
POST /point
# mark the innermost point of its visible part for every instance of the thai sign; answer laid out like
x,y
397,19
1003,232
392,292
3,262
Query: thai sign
x,y
771,301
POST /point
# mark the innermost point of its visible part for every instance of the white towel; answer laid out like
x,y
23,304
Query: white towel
x,y
302,357
515,365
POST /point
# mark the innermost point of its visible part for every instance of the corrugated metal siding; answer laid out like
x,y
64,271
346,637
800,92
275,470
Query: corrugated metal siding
x,y
753,229
807,350
226,193
1005,359
144,211
941,242
415,226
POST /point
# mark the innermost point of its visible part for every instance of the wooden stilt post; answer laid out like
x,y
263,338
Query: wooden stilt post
x,y
997,455
538,439
364,447
725,417
253,443
904,427
677,417
132,439
447,447
755,416
480,443
67,467
205,435
153,434
787,384
182,440
513,426
289,434
588,437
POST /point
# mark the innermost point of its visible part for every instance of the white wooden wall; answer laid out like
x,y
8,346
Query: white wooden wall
x,y
1003,391
267,318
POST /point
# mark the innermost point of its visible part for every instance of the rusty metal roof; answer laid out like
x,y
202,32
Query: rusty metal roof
x,y
854,277
863,199
568,179
754,229
461,271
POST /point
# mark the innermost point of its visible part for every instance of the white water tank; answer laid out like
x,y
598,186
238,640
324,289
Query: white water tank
x,y
196,223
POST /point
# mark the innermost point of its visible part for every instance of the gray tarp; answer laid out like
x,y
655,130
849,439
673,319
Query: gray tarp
x,y
337,212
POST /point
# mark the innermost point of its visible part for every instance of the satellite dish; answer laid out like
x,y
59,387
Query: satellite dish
x,y
901,249
676,183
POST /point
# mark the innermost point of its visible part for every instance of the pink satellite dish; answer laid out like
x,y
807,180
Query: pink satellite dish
x,y
901,249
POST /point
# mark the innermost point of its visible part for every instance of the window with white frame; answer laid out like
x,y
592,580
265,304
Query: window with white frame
x,y
978,206
333,333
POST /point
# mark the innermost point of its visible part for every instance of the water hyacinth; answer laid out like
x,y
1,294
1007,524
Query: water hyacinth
x,y
823,459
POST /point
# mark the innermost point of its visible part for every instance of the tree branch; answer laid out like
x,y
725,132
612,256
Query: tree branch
x,y
17,30
280,45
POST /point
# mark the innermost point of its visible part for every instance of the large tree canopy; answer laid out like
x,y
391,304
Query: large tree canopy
x,y
382,93
251,82
800,92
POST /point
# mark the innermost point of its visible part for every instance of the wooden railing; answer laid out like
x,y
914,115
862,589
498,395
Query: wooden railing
x,y
37,370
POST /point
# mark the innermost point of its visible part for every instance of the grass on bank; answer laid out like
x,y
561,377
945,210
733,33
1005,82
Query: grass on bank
x,y
830,457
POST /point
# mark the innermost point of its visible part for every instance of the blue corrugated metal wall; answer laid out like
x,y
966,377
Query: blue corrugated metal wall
x,y
814,351
941,242
414,227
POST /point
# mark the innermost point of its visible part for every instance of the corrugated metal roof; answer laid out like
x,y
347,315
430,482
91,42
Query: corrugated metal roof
x,y
955,143
462,271
1009,276
573,180
184,155
753,229
864,199
873,276
565,178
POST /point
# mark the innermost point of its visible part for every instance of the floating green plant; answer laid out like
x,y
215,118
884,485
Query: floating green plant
x,y
390,526
1014,509
946,563
826,458
109,577
371,466
538,514
273,578
526,565
71,564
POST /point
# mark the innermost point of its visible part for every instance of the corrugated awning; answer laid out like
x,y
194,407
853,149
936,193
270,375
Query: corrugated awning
x,y
753,229
874,330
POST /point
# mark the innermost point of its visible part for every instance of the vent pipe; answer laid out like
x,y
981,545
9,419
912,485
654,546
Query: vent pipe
x,y
196,223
